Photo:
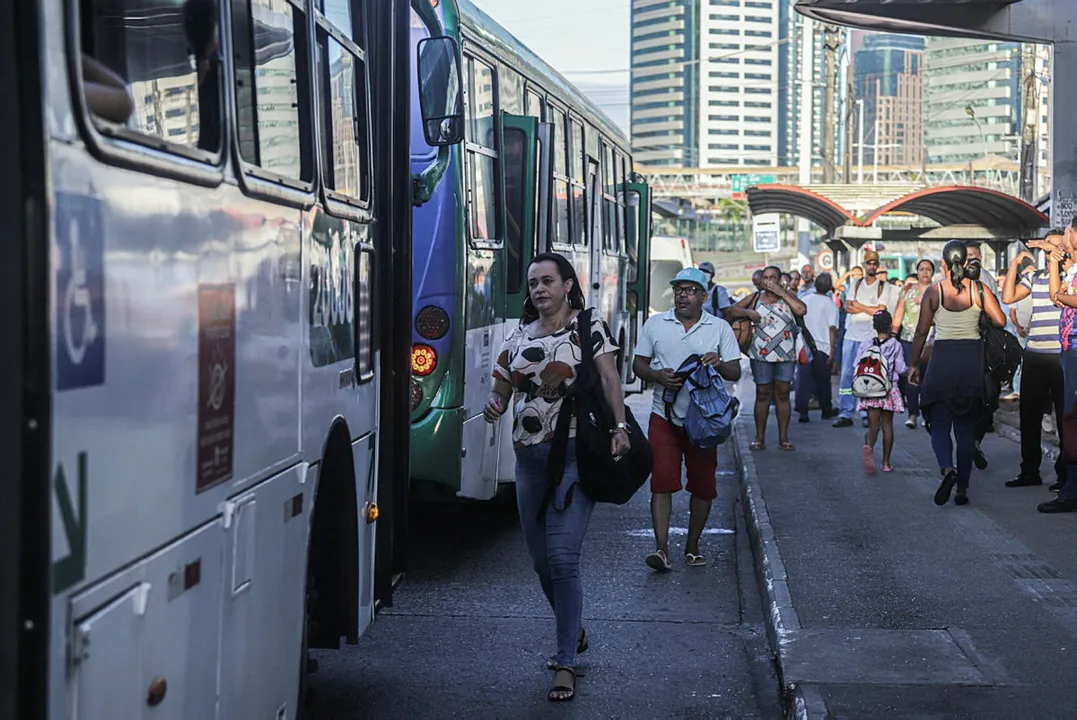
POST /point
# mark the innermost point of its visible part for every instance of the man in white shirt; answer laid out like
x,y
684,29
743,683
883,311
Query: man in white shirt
x,y
666,341
821,321
865,298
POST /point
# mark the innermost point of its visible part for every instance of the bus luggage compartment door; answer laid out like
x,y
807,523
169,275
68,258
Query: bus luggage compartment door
x,y
144,643
265,571
478,466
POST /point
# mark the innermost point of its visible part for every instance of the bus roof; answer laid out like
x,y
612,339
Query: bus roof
x,y
503,43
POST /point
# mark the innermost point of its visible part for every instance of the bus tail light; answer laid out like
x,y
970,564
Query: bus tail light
x,y
423,360
432,323
416,396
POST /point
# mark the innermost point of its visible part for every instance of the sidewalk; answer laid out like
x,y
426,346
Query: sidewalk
x,y
883,605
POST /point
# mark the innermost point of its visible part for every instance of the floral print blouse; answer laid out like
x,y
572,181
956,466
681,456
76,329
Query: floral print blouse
x,y
541,370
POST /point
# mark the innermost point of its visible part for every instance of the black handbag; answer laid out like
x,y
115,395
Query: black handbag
x,y
1002,351
603,478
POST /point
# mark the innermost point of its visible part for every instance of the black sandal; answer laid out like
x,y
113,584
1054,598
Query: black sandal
x,y
568,690
582,643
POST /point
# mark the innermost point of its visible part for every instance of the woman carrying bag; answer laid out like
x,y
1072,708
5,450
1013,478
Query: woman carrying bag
x,y
537,366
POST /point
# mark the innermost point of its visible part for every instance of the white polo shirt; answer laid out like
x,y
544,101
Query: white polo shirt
x,y
664,340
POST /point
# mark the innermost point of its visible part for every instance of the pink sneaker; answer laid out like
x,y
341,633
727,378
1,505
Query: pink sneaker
x,y
869,459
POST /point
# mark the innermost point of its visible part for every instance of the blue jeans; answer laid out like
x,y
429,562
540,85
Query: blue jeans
x,y
943,420
554,539
1069,405
847,401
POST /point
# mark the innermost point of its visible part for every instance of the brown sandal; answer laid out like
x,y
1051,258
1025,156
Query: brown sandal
x,y
787,446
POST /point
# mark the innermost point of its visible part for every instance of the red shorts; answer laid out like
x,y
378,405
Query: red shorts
x,y
670,444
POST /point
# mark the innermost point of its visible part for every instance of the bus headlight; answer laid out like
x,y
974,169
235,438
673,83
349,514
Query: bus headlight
x,y
432,323
423,360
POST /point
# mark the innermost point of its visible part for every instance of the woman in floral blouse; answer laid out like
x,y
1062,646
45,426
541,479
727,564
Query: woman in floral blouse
x,y
536,367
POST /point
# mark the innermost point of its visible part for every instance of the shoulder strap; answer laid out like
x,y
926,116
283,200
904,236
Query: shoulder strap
x,y
714,299
856,288
583,332
980,287
882,286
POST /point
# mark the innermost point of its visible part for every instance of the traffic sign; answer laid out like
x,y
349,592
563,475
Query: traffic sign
x,y
766,233
740,183
825,260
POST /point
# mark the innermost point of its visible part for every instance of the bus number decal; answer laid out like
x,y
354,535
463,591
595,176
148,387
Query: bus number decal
x,y
332,300
79,300
216,384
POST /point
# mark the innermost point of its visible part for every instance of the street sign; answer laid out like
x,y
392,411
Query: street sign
x,y
766,233
740,183
825,260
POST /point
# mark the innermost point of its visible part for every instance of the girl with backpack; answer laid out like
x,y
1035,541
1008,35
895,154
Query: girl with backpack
x,y
880,363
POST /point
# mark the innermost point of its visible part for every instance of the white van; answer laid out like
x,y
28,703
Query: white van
x,y
669,255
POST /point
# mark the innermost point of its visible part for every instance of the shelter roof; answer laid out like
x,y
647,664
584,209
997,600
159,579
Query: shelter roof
x,y
952,205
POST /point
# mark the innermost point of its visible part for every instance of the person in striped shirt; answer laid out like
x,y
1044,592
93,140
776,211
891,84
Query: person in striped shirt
x,y
1042,383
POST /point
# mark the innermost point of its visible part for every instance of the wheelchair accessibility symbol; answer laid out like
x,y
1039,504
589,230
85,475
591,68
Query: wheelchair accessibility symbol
x,y
80,293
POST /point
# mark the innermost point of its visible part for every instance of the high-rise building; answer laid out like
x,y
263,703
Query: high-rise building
x,y
888,85
972,99
717,83
665,87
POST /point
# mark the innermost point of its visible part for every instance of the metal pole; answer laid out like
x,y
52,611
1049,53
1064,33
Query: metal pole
x,y
860,142
875,153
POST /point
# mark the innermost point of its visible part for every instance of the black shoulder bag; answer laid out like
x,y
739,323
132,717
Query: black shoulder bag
x,y
1002,351
603,478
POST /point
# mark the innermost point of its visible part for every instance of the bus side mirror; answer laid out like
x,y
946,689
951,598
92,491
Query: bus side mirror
x,y
441,93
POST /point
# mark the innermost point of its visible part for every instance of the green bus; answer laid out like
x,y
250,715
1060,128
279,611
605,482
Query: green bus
x,y
541,169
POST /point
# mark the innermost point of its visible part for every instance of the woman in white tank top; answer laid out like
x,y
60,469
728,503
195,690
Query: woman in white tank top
x,y
953,391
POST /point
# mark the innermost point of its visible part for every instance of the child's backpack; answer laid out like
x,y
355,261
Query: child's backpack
x,y
872,378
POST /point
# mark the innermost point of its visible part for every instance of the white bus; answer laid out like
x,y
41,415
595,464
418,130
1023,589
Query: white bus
x,y
669,255
202,320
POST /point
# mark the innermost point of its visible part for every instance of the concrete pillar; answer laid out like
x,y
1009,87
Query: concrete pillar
x,y
1064,134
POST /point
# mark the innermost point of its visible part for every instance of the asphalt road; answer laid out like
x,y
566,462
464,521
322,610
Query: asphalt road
x,y
469,631
897,608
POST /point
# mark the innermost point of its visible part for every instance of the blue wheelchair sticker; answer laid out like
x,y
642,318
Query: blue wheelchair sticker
x,y
79,300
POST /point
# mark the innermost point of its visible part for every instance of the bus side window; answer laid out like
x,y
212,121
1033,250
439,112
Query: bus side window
x,y
632,200
168,61
343,113
579,210
269,40
609,202
534,105
619,191
480,104
561,214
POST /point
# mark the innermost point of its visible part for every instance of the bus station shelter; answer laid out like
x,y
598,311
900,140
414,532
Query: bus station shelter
x,y
937,214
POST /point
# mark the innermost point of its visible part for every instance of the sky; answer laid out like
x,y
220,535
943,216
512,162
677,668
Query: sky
x,y
578,43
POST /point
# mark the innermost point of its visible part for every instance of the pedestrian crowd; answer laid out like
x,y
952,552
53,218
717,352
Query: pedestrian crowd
x,y
940,347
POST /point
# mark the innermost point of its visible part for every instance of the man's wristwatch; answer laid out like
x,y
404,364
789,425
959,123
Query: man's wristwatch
x,y
619,426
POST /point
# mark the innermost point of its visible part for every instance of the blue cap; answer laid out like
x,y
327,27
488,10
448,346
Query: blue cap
x,y
707,266
691,274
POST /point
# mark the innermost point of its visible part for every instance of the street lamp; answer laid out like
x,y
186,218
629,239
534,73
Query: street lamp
x,y
971,112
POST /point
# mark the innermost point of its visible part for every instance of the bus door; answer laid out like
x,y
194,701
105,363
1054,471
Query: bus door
x,y
520,143
594,225
638,237
521,180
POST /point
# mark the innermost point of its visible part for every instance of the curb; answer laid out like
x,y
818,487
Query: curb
x,y
781,618
1005,430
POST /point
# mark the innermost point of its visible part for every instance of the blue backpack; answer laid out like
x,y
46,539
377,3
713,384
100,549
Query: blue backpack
x,y
711,410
